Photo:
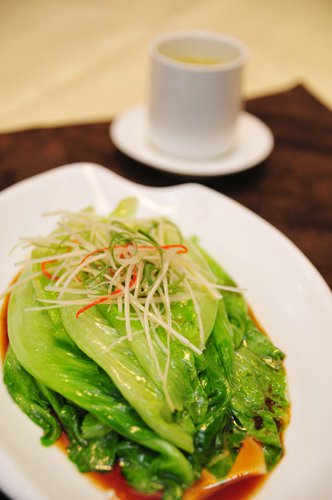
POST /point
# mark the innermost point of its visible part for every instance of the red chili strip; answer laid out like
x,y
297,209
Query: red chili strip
x,y
133,279
181,248
46,272
97,301
103,299
98,250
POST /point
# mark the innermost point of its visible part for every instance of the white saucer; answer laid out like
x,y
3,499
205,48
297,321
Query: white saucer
x,y
253,143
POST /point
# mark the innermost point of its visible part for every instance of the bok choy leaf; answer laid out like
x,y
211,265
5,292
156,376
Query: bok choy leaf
x,y
141,349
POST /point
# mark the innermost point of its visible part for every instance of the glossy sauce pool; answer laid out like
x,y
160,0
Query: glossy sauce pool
x,y
113,480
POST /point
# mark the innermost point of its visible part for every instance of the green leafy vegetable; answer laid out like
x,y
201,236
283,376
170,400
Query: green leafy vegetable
x,y
27,393
140,347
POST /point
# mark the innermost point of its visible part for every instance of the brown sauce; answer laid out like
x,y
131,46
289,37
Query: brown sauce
x,y
239,490
111,481
242,490
4,341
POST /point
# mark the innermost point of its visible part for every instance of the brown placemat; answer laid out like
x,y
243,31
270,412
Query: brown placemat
x,y
292,189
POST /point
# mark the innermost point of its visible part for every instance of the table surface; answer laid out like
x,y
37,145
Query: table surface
x,y
69,61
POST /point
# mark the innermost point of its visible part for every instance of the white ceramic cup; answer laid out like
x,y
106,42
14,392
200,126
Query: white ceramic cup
x,y
195,93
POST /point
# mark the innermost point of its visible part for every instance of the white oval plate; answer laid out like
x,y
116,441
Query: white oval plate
x,y
287,294
253,143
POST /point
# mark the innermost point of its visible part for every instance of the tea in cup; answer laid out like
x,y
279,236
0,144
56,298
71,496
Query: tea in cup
x,y
195,93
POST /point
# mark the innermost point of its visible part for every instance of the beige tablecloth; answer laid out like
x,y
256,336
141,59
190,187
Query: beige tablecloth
x,y
69,61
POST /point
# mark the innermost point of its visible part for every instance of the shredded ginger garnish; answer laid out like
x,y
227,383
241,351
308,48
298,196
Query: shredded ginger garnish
x,y
106,260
